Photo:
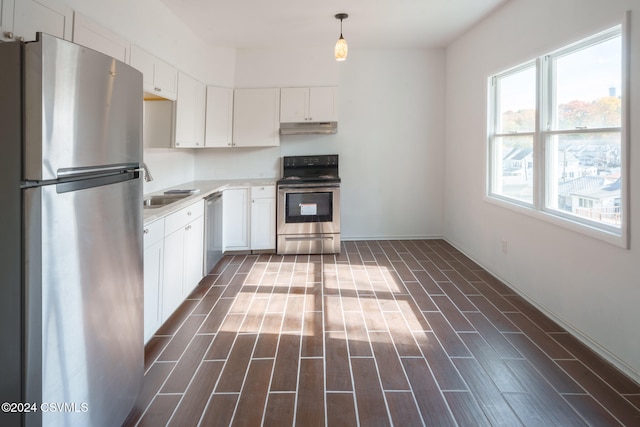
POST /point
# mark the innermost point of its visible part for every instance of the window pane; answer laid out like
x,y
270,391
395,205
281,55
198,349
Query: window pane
x,y
584,176
513,167
587,87
517,102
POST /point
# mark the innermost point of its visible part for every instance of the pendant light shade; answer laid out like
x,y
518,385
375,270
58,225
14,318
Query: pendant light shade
x,y
341,48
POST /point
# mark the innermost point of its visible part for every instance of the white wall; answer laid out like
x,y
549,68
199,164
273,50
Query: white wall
x,y
590,286
390,135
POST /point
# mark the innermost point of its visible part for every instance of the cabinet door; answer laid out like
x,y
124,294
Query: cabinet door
x,y
21,19
322,104
172,282
235,217
6,20
263,223
189,112
219,117
294,104
193,255
165,80
159,78
89,34
256,117
153,271
143,61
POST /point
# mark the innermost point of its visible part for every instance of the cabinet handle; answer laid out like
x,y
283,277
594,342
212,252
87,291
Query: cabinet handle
x,y
8,34
146,231
188,227
189,213
157,89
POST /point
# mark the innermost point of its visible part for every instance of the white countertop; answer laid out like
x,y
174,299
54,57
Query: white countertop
x,y
205,188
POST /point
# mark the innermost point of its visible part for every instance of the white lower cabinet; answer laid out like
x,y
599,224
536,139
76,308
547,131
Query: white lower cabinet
x,y
235,219
263,217
153,273
193,255
174,247
173,273
249,218
183,245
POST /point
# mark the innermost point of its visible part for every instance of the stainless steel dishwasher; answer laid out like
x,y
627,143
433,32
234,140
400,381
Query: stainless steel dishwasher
x,y
212,231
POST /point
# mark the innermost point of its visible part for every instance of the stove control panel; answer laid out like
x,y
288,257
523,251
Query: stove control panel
x,y
306,161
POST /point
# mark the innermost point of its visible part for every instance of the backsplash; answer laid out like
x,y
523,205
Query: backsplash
x,y
168,167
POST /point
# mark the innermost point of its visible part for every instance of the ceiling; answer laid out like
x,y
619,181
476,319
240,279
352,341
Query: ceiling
x,y
306,23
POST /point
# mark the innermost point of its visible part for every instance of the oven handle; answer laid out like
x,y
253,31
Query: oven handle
x,y
300,239
308,186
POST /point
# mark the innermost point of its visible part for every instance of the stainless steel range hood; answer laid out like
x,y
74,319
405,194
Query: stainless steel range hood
x,y
308,128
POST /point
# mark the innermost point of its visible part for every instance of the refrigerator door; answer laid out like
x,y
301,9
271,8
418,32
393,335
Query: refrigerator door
x,y
84,296
83,110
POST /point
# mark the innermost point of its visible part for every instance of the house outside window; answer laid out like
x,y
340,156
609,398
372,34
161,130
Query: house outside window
x,y
557,135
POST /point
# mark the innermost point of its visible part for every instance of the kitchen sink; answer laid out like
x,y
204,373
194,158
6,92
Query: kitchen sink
x,y
162,200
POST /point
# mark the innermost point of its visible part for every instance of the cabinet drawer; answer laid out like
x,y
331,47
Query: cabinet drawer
x,y
153,232
262,191
183,217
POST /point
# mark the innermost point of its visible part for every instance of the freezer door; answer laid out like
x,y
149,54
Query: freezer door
x,y
83,109
84,295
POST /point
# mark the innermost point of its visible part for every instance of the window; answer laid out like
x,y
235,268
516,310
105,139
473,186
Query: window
x,y
515,128
557,135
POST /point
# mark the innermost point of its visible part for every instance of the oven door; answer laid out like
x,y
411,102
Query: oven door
x,y
309,209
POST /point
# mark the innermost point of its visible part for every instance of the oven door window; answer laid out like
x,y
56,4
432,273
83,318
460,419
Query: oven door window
x,y
309,207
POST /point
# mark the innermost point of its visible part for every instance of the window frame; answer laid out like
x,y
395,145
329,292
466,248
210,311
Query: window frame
x,y
493,160
543,133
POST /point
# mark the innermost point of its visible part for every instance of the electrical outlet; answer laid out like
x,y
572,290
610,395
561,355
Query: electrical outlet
x,y
504,246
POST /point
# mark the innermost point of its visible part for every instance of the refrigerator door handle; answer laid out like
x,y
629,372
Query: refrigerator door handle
x,y
84,183
71,172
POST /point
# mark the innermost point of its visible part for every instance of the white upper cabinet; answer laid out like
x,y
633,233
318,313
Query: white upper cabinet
x,y
256,117
88,33
190,108
308,104
219,117
159,78
294,104
22,19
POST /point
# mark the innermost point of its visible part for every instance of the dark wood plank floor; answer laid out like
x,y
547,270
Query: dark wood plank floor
x,y
402,333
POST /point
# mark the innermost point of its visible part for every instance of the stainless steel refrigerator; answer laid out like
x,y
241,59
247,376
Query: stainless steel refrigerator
x,y
71,296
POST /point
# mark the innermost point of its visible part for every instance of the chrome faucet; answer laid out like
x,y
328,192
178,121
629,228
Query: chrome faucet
x,y
147,174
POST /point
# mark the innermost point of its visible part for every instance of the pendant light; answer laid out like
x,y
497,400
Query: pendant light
x,y
341,45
